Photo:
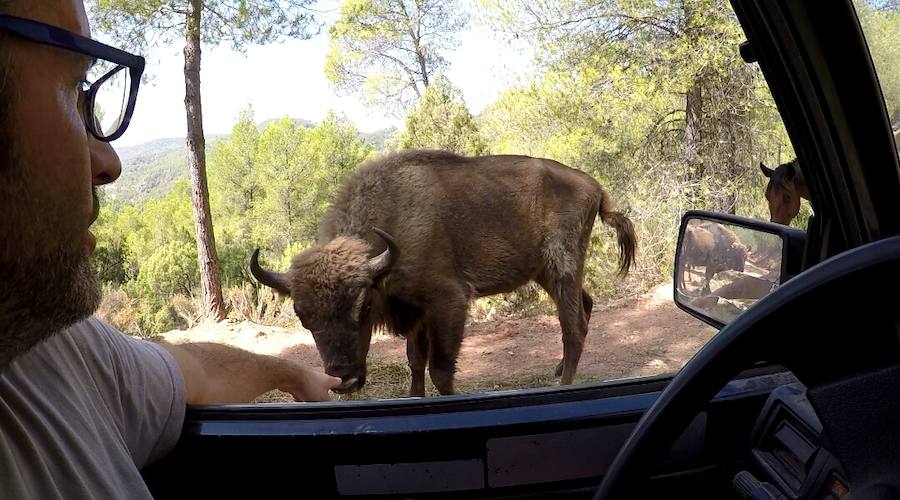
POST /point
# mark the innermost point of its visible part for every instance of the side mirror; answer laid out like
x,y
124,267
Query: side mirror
x,y
725,263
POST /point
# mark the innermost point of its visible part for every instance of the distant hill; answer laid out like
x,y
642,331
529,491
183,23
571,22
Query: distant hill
x,y
300,122
376,139
149,170
379,137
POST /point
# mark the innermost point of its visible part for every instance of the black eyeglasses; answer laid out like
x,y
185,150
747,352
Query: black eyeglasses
x,y
109,101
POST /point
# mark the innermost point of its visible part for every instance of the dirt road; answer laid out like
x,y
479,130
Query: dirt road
x,y
634,338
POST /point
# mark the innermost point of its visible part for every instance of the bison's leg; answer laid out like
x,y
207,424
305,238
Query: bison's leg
x,y
572,319
445,329
708,274
587,304
572,307
417,354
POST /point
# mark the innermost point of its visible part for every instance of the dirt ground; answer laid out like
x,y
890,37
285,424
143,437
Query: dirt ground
x,y
634,338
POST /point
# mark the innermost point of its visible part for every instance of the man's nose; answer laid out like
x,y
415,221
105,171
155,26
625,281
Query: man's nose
x,y
105,164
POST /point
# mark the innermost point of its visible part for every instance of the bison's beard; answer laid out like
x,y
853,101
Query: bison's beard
x,y
46,280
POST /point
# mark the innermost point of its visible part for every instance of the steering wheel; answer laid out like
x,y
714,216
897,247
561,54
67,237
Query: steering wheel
x,y
789,327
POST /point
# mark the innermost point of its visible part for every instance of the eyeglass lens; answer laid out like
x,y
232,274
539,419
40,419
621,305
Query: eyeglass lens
x,y
111,102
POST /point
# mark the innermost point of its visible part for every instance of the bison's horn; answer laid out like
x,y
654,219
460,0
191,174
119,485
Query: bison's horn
x,y
277,281
382,263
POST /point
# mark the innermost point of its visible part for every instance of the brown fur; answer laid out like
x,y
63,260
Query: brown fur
x,y
465,227
786,187
715,248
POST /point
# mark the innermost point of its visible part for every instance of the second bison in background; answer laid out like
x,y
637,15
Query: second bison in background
x,y
412,237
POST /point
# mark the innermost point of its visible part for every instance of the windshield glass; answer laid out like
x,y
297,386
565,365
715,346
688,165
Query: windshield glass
x,y
486,272
880,21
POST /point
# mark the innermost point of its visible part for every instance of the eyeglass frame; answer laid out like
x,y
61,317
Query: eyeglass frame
x,y
53,36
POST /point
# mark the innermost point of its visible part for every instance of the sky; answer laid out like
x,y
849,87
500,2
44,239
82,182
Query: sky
x,y
288,79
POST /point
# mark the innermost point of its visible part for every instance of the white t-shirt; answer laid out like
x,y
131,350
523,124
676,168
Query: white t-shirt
x,y
83,411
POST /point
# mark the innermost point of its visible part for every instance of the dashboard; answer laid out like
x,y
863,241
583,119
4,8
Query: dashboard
x,y
790,458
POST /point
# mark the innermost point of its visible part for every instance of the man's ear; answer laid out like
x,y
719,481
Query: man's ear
x,y
768,172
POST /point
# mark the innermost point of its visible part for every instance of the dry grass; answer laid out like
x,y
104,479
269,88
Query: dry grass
x,y
261,306
189,309
388,379
119,310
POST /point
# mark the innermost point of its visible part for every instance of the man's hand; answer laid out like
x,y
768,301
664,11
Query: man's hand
x,y
218,374
309,385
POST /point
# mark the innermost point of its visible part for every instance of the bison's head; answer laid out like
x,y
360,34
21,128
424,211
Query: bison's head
x,y
332,286
782,192
736,257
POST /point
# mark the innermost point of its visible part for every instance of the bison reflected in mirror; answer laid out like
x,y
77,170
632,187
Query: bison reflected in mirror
x,y
412,237
722,269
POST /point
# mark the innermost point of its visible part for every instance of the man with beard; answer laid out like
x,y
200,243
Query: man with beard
x,y
82,406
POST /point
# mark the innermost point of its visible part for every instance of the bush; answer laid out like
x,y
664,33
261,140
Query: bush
x,y
125,309
189,309
529,300
119,310
261,306
172,268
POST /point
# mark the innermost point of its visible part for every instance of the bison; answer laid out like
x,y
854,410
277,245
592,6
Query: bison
x,y
785,188
713,247
412,237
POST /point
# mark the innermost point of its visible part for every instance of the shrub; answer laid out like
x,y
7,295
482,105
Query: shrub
x,y
261,306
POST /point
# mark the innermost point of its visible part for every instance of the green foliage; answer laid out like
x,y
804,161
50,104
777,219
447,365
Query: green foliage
x,y
881,25
390,51
272,187
171,268
442,121
149,170
611,98
268,190
648,97
140,24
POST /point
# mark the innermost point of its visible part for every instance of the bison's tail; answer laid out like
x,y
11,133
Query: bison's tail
x,y
625,230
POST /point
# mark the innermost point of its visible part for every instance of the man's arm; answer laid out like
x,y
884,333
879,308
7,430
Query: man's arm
x,y
218,373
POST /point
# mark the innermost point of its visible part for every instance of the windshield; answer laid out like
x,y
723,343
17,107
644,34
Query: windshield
x,y
880,21
501,272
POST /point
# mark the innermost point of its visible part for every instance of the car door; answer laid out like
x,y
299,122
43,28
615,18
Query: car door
x,y
559,441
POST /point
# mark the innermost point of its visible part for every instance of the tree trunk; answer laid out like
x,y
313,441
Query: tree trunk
x,y
210,282
693,113
733,173
693,110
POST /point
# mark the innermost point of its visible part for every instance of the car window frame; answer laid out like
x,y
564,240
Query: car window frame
x,y
831,231
789,62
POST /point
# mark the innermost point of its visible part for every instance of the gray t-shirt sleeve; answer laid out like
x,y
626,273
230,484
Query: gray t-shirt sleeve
x,y
144,389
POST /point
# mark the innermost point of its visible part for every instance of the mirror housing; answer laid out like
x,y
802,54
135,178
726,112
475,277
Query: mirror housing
x,y
726,263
